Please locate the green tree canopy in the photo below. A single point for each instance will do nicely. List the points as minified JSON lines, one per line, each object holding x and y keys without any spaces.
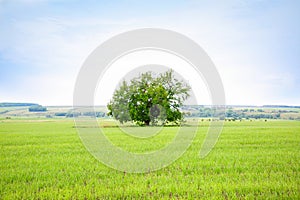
{"x":148,"y":99}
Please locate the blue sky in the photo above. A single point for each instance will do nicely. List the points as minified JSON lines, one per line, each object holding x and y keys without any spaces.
{"x":254,"y":44}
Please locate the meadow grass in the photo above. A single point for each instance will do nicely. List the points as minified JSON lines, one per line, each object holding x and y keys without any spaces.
{"x":46,"y":160}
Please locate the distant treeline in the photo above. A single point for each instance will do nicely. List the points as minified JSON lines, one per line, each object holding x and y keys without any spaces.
{"x":206,"y":112}
{"x":280,"y":106}
{"x":7,"y":104}
{"x":37,"y":108}
{"x":76,"y":114}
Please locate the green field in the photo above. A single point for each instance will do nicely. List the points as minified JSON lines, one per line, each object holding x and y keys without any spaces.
{"x":45,"y":159}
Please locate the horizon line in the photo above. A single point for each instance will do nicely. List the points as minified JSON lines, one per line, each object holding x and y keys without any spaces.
{"x":226,"y":105}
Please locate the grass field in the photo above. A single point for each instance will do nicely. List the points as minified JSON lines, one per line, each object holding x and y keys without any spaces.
{"x":46,"y":160}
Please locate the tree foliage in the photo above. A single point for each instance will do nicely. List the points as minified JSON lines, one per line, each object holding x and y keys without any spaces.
{"x":37,"y":108}
{"x":149,"y":100}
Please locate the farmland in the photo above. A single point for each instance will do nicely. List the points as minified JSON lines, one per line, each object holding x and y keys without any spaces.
{"x":45,"y":159}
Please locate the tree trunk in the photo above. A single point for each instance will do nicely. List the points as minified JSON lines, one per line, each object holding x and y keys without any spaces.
{"x":147,"y":122}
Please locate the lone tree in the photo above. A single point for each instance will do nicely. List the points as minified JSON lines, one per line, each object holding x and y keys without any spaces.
{"x":149,"y":99}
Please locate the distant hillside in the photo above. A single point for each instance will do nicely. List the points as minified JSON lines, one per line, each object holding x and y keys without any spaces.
{"x":280,"y":106}
{"x":233,"y":112}
{"x":9,"y":104}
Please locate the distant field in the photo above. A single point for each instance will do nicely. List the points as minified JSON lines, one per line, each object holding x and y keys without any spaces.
{"x":23,"y":112}
{"x":46,"y":160}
